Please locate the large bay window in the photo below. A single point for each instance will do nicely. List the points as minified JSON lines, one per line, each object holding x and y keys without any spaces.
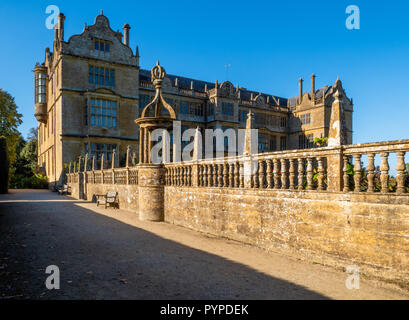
{"x":40,"y":87}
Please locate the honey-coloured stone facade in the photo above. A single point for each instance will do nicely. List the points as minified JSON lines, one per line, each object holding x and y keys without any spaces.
{"x":64,"y":111}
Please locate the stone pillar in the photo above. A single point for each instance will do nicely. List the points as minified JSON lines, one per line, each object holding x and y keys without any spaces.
{"x":151,"y":189}
{"x":335,"y":165}
{"x":336,"y":138}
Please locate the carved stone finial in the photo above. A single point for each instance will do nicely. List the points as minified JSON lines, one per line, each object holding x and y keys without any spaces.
{"x":102,"y":12}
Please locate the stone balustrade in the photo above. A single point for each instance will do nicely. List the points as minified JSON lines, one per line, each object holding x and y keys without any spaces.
{"x":296,"y":170}
{"x":375,"y":178}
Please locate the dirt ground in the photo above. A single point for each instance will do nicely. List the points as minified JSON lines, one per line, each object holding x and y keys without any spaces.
{"x":109,"y":254}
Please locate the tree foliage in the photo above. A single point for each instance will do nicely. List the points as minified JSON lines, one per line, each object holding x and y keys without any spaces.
{"x":10,"y":119}
{"x":4,"y":167}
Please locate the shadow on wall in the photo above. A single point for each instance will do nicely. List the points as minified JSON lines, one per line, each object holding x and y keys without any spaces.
{"x":102,"y":258}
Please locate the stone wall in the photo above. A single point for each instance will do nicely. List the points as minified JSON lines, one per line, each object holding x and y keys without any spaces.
{"x":305,"y":203}
{"x":127,"y":194}
{"x":371,"y":231}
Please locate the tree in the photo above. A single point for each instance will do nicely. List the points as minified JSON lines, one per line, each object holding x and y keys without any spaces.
{"x":10,"y":119}
{"x":4,"y":167}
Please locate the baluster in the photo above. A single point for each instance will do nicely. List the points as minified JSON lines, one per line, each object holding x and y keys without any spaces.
{"x":358,"y":174}
{"x":400,"y":168}
{"x":205,"y":182}
{"x":292,"y":174}
{"x":269,"y":174}
{"x":309,"y":174}
{"x":237,"y":175}
{"x":210,"y":175}
{"x":241,"y":175}
{"x":178,"y":176}
{"x":261,"y":174}
{"x":284,"y":174}
{"x":371,"y":171}
{"x":384,"y":172}
{"x":220,"y":175}
{"x":200,"y":176}
{"x":203,"y":178}
{"x":231,"y":175}
{"x":225,"y":175}
{"x":301,"y":174}
{"x":345,"y":177}
{"x":215,"y":180}
{"x":254,"y":177}
{"x":320,"y":174}
{"x":276,"y":174}
{"x":189,"y":176}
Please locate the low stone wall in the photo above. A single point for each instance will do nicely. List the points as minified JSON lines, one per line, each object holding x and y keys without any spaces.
{"x":128,"y":194}
{"x":369,"y":230}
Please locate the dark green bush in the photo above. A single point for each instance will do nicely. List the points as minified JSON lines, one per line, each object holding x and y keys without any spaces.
{"x":4,"y":166}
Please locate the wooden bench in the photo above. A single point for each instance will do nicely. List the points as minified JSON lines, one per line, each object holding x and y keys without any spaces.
{"x":63,"y":190}
{"x":110,"y":199}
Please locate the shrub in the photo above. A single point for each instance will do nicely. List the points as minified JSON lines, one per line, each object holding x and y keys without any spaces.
{"x":4,"y":166}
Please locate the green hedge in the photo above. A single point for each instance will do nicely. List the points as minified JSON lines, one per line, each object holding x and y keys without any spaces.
{"x":4,"y":166}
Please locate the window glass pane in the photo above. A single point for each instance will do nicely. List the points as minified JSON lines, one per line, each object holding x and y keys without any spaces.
{"x":107,"y":47}
{"x":101,"y":46}
{"x":96,"y":45}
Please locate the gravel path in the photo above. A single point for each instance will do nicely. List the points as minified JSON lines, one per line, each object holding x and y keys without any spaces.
{"x":109,"y":254}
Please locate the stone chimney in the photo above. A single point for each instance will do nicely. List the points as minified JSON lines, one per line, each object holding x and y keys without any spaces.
{"x":126,"y":29}
{"x":61,"y":19}
{"x":313,"y":87}
{"x":300,"y":81}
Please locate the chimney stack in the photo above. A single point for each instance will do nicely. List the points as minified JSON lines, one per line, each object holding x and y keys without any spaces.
{"x":126,"y":29}
{"x":300,"y":81}
{"x":313,"y":87}
{"x":61,"y":19}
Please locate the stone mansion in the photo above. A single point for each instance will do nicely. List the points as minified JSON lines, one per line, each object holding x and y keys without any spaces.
{"x":90,"y":90}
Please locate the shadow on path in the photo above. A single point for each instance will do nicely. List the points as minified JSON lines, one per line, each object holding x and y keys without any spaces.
{"x":102,"y":258}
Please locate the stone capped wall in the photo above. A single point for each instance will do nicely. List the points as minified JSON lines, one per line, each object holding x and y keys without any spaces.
{"x":371,"y":231}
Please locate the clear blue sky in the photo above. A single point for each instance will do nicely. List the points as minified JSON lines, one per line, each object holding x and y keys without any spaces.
{"x":269,"y":45}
